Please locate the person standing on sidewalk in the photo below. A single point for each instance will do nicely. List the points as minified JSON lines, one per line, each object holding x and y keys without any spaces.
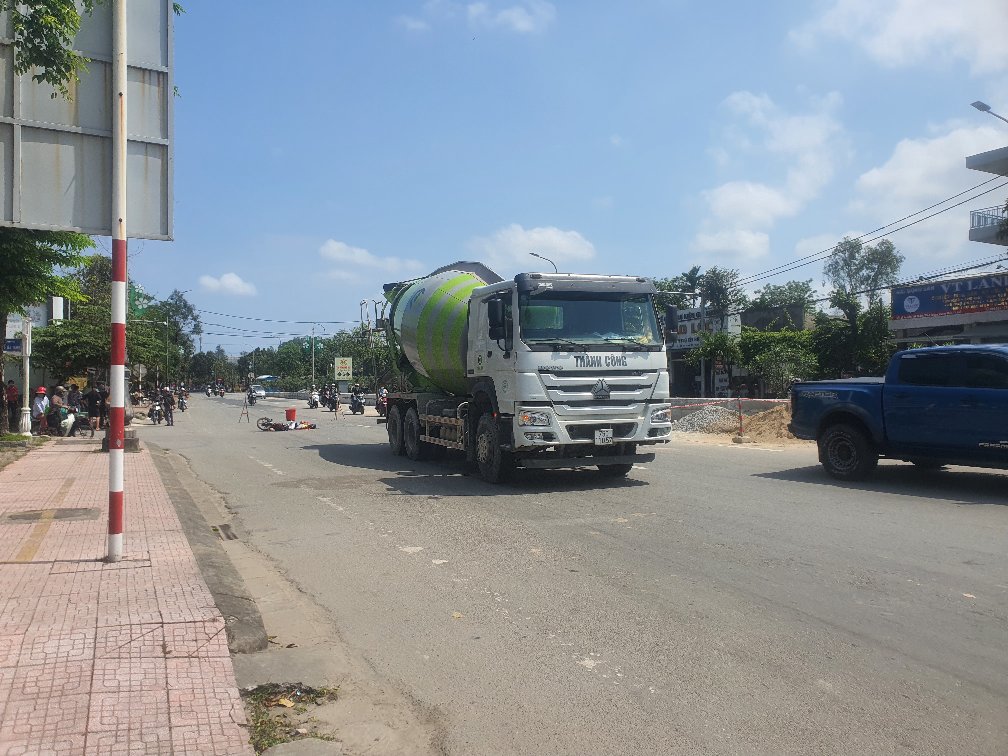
{"x":13,"y":398}
{"x":93,"y":400}
{"x":168,"y":404}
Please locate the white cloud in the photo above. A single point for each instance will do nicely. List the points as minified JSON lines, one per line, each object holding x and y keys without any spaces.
{"x":919,"y":173}
{"x":229,"y":283}
{"x":343,"y":253}
{"x":409,"y":23}
{"x":804,"y":147}
{"x":616,"y":140}
{"x":528,"y":17}
{"x":733,"y":243}
{"x":909,"y":32}
{"x":508,"y":248}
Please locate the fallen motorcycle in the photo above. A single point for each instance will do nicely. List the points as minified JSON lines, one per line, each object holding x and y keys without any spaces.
{"x":268,"y":424}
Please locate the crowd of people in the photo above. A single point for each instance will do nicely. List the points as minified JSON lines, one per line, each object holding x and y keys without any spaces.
{"x":60,"y":410}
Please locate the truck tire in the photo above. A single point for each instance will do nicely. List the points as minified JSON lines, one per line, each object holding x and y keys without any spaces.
{"x":847,"y":453}
{"x":495,"y":464}
{"x":394,"y":426}
{"x":416,"y":449}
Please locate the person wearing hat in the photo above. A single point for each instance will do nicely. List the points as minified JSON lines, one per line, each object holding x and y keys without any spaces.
{"x":40,"y":408}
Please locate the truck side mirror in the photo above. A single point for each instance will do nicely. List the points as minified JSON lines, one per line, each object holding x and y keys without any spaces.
{"x":495,"y":315}
{"x":671,"y":323}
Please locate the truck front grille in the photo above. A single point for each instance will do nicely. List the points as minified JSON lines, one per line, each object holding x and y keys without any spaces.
{"x":586,"y":431}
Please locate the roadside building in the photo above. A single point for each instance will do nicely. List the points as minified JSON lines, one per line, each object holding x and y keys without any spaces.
{"x":965,"y":310}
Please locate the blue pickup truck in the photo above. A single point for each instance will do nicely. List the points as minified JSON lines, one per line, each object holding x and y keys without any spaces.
{"x":935,"y":406}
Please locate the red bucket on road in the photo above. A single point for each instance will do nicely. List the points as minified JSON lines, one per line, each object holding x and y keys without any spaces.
{"x":291,"y":414}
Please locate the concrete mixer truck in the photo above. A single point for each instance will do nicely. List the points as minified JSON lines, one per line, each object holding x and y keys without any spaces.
{"x":547,"y":370}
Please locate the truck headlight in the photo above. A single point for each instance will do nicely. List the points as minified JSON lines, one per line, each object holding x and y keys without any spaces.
{"x":662,"y":415}
{"x":533,"y":418}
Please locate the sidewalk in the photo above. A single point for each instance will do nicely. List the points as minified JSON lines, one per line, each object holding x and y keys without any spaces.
{"x":106,"y":658}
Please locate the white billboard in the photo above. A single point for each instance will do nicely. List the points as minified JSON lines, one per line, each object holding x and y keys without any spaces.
{"x":56,"y":155}
{"x":692,"y":323}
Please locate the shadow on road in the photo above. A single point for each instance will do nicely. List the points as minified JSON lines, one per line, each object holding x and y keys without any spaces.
{"x":428,"y":478}
{"x":957,"y":485}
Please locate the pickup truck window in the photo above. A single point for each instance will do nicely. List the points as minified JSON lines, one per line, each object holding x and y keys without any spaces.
{"x":930,"y":369}
{"x":986,"y":371}
{"x":954,"y":370}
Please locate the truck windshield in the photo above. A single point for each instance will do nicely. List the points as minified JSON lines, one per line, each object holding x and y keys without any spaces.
{"x":588,"y":318}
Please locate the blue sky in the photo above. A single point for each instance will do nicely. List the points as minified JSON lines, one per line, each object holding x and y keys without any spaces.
{"x":324,"y":151}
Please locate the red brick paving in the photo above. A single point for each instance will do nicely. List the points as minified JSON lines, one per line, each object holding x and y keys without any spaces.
{"x":102,"y":658}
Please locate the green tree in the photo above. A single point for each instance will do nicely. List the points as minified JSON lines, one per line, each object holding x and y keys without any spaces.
{"x":790,"y":294}
{"x":781,"y":365}
{"x":717,"y":347}
{"x":680,"y":291}
{"x":30,"y":261}
{"x":67,"y":348}
{"x":854,"y":269}
{"x":44,"y":31}
{"x":721,"y":293}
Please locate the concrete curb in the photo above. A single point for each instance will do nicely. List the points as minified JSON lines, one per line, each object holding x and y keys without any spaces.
{"x":243,"y":622}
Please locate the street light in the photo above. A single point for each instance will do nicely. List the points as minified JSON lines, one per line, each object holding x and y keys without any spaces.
{"x":983,"y":107}
{"x":536,"y":254}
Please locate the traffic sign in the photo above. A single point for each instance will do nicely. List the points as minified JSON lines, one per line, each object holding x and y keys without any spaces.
{"x":344,"y":368}
{"x":12,"y":347}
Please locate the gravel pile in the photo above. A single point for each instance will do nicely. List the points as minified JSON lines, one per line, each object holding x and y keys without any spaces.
{"x":712,"y":419}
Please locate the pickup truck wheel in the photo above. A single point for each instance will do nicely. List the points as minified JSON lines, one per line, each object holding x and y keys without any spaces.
{"x":495,"y":464}
{"x":415,"y":448}
{"x":847,"y":453}
{"x":395,"y":430}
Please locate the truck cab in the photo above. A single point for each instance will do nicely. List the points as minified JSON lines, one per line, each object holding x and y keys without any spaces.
{"x":575,"y":363}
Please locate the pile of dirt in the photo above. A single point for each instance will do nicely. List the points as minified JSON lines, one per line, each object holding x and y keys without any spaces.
{"x":770,"y":424}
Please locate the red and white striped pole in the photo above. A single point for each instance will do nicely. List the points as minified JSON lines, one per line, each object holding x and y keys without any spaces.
{"x":117,"y":367}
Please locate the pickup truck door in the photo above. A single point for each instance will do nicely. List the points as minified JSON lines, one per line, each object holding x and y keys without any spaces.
{"x":984,"y":403}
{"x":921,"y":403}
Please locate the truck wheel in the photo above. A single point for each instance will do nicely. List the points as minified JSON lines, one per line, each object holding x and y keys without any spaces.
{"x":395,"y":430}
{"x":415,"y":448}
{"x":847,"y":453}
{"x":495,"y":464}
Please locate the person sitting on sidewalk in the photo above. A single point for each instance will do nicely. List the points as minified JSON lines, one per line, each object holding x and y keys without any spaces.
{"x":39,"y":409}
{"x":57,"y":408}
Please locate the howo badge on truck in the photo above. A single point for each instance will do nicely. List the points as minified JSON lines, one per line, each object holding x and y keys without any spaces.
{"x":548,"y":370}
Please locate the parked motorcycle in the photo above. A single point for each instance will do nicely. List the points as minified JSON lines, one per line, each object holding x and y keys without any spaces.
{"x":357,"y":403}
{"x":156,"y":413}
{"x":209,"y":391}
{"x":313,"y":400}
{"x":220,"y":391}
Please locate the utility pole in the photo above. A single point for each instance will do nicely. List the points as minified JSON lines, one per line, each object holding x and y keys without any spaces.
{"x":313,"y":354}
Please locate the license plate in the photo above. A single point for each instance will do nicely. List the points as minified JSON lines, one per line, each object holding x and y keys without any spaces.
{"x":603,"y":437}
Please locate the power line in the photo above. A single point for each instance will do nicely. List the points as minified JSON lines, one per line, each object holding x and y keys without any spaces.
{"x":272,"y":320}
{"x":816,"y":256}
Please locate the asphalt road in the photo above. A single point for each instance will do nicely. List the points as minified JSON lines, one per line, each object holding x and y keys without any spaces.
{"x":724,"y":599}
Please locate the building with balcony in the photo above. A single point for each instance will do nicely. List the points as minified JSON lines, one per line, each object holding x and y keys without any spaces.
{"x":985,"y":224}
{"x":969,"y":310}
